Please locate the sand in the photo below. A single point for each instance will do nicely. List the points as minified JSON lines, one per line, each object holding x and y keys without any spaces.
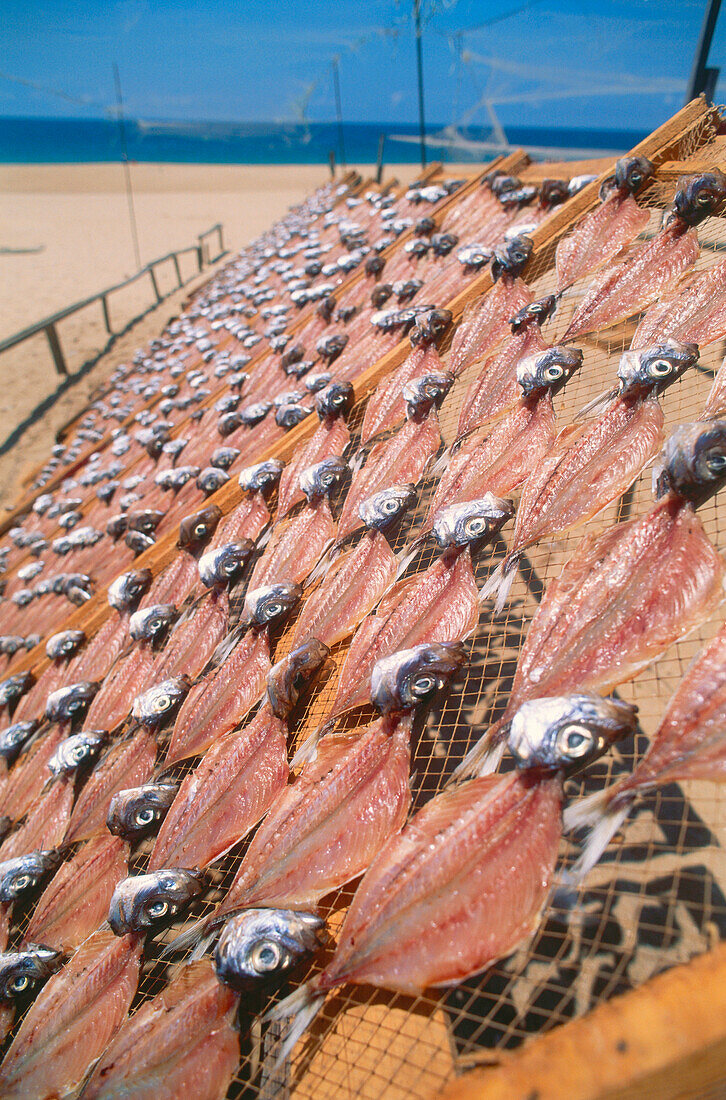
{"x":74,"y":220}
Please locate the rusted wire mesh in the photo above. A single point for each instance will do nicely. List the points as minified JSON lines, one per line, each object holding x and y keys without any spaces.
{"x":656,"y":898}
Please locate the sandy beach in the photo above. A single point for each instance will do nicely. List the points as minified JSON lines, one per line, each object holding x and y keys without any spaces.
{"x":65,"y":235}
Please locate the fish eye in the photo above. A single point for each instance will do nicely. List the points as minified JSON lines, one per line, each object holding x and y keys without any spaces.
{"x":78,"y":752}
{"x":390,"y":505}
{"x":424,"y":684}
{"x":274,"y":608}
{"x":200,"y":530}
{"x":22,"y":882}
{"x":703,"y":199}
{"x":574,"y":741}
{"x":19,"y":984}
{"x":660,"y":367}
{"x":265,"y":956}
{"x":144,"y":817}
{"x":554,"y":372}
{"x":158,"y":909}
{"x":716,"y":462}
{"x":476,"y":525}
{"x":156,"y":624}
{"x":636,"y":177}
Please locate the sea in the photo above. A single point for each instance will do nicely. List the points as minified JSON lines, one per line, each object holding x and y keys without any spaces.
{"x":89,"y":140}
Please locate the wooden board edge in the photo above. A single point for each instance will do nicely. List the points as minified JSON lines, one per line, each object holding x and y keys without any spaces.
{"x":663,"y":1040}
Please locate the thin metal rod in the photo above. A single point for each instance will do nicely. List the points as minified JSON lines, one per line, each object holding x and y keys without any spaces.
{"x":127,"y":170}
{"x":698,"y":81}
{"x":419,"y":66}
{"x":338,"y":112}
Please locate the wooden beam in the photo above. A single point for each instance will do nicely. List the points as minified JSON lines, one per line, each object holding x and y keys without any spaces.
{"x":662,"y":1041}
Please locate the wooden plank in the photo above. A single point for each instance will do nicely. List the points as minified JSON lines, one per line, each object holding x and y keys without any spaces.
{"x":664,"y":1040}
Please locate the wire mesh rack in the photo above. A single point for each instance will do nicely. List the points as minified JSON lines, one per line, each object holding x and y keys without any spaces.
{"x":657,"y":897}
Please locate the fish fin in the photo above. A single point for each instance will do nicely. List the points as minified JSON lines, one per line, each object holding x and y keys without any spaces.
{"x":301,"y":1007}
{"x":598,"y":404}
{"x":325,"y":564}
{"x":405,"y":556}
{"x":308,"y":750}
{"x":604,"y":819}
{"x":190,"y":937}
{"x":482,"y":759}
{"x":441,"y":463}
{"x":226,"y":646}
{"x":264,"y":538}
{"x":358,"y":459}
{"x":500,"y":582}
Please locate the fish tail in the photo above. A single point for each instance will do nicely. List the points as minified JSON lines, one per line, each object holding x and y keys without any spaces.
{"x":500,"y":582}
{"x":300,"y":1009}
{"x":483,"y":758}
{"x":603,"y":813}
{"x":309,"y":748}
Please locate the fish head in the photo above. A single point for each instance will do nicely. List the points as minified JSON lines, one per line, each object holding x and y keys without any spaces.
{"x":697,"y":197}
{"x":380,"y":294}
{"x":320,"y":478}
{"x":548,"y":370}
{"x":69,"y":702}
{"x":473,"y":521}
{"x":566,"y":733}
{"x":374,"y":265}
{"x":13,"y":737}
{"x":512,"y":259}
{"x":223,"y":457}
{"x":552,"y":192}
{"x":429,"y":326}
{"x":534,"y":313}
{"x":501,"y":183}
{"x":411,"y":676}
{"x":426,"y":392}
{"x":78,"y":752}
{"x":289,"y":416}
{"x":156,"y":706}
{"x":326,"y":309}
{"x":149,"y":623}
{"x":145,"y":520}
{"x":194,"y":530}
{"x":271,"y":603}
{"x":474,"y":255}
{"x":260,"y":477}
{"x":142,"y":902}
{"x":330,"y":347}
{"x":292,"y":356}
{"x":137,"y":811}
{"x":22,"y":973}
{"x":443,"y":243}
{"x":220,"y":567}
{"x":318,"y":381}
{"x":335,"y":400}
{"x":260,"y":944}
{"x":631,"y":175}
{"x":693,"y":462}
{"x":253,"y":414}
{"x":10,"y":644}
{"x":299,"y":370}
{"x":128,"y":588}
{"x":655,"y":368}
{"x":211,"y":479}
{"x":64,"y":644}
{"x":288,"y":678}
{"x":13,"y":687}
{"x":228,"y":403}
{"x":23,"y":874}
{"x":383,"y":508}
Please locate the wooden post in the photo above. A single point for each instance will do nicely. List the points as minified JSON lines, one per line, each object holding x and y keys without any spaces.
{"x":154,"y":283}
{"x":55,"y":349}
{"x":106,"y":318}
{"x":379,"y":159}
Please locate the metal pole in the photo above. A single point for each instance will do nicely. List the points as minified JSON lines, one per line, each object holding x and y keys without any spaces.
{"x":127,"y":170}
{"x":379,"y":161}
{"x":338,"y":111}
{"x":419,"y":66}
{"x":701,"y":77}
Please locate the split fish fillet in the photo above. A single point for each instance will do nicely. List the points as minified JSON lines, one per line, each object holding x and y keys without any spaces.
{"x":127,"y":764}
{"x":599,"y":237}
{"x":386,"y":406}
{"x":296,"y":545}
{"x":46,"y":823}
{"x":486,"y":322}
{"x":495,"y":389}
{"x":330,"y":438}
{"x":693,"y":312}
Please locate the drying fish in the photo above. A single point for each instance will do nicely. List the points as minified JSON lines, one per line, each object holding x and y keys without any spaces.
{"x":70,"y":702}
{"x":150,"y":623}
{"x":288,"y":677}
{"x":402,"y":459}
{"x":497,"y":458}
{"x":262,"y":476}
{"x":690,"y":743}
{"x":386,"y":406}
{"x":23,"y":972}
{"x":23,"y":874}
{"x":222,"y":566}
{"x":196,"y":529}
{"x":608,"y":229}
{"x":360,"y":577}
{"x":524,"y":365}
{"x":194,"y":638}
{"x":13,"y":687}
{"x":145,"y":902}
{"x":14,"y":738}
{"x":693,"y":463}
{"x":78,"y":752}
{"x":261,"y":944}
{"x":592,"y":463}
{"x":45,"y":824}
{"x":465,"y":881}
{"x":330,"y":439}
{"x":183,"y":1042}
{"x":137,"y":811}
{"x":648,"y":270}
{"x":486,"y":322}
{"x":620,"y":601}
{"x":130,"y":761}
{"x":155,"y":706}
{"x":27,"y":778}
{"x":694,"y":311}
{"x":296,"y":545}
{"x":320,"y":479}
{"x":111,"y":705}
{"x":76,"y":901}
{"x":716,"y":402}
{"x":64,"y":645}
{"x":212,"y":479}
{"x":72,"y":1021}
{"x":405,"y":679}
{"x":127,"y":589}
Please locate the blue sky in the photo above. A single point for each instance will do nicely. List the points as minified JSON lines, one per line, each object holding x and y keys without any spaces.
{"x":608,"y":64}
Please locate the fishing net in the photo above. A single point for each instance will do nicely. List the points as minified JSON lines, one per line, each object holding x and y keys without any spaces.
{"x":657,"y":896}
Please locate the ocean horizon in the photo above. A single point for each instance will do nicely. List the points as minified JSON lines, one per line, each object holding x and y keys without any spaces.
{"x":35,"y":140}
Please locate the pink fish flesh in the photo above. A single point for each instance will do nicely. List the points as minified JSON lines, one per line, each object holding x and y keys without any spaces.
{"x":599,"y":237}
